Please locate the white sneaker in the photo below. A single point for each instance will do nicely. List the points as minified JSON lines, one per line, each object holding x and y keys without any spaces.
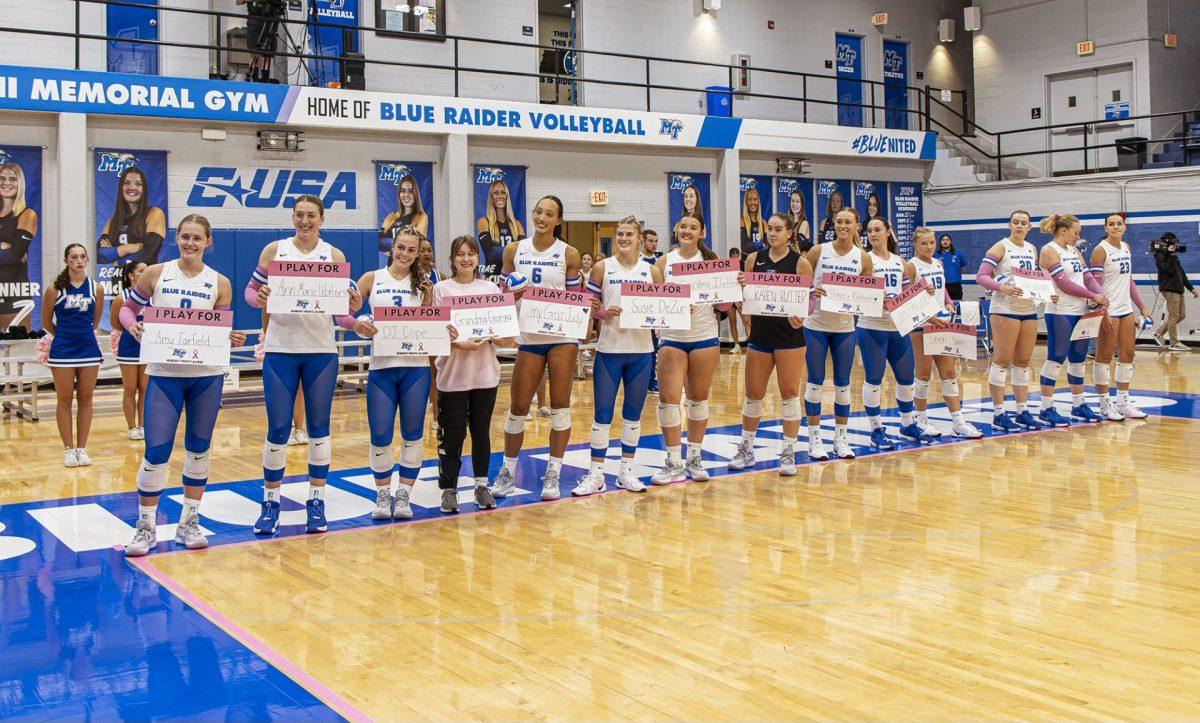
{"x":592,"y":482}
{"x":1131,"y":412}
{"x":136,"y":433}
{"x":626,"y":479}
{"x":401,"y":505}
{"x":189,"y":535}
{"x":82,"y":457}
{"x":966,"y":430}
{"x":543,"y":411}
{"x":1160,"y":340}
{"x":550,"y":489}
{"x":841,"y":447}
{"x":292,"y":438}
{"x":1109,"y":412}
{"x":694,"y":468}
{"x":504,"y":483}
{"x":816,"y":449}
{"x":1179,"y":346}
{"x":929,"y":428}
{"x":301,"y":436}
{"x":672,"y":471}
{"x":787,"y":460}
{"x":744,"y":456}
{"x":70,"y":460}
{"x":383,"y":504}
{"x":145,"y":537}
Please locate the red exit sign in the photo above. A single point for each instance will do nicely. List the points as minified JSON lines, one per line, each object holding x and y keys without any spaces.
{"x":1085,"y":47}
{"x":879,"y":19}
{"x":1171,"y":40}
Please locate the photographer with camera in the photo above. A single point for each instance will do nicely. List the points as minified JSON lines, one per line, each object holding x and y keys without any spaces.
{"x":262,"y":36}
{"x":1172,"y":280}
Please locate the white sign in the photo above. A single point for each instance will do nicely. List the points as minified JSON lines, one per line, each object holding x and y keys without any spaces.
{"x":712,"y":282}
{"x":1035,"y":283}
{"x":852,"y":294}
{"x":411,"y":330}
{"x":655,"y":306}
{"x":1088,"y":326}
{"x":555,"y":312}
{"x":784,"y":295}
{"x":309,"y":287}
{"x":186,"y":336}
{"x":913,"y":307}
{"x":956,"y":340}
{"x":484,"y":316}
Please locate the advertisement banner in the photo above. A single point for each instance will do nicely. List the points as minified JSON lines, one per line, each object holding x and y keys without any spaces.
{"x":907,"y":213}
{"x":849,"y":84}
{"x":756,"y":204}
{"x":832,"y":196}
{"x":326,"y":38}
{"x":895,"y":79}
{"x":687,"y":194}
{"x":403,"y":197}
{"x":20,"y":237}
{"x":794,"y":196}
{"x":870,"y":200}
{"x":500,"y":212}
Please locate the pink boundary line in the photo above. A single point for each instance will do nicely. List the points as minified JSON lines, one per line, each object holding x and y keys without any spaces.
{"x":339,"y":704}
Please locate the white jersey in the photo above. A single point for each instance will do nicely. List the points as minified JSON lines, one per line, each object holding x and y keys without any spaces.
{"x":387,"y":290}
{"x":614,"y":339}
{"x":704,"y":317}
{"x":300,"y":333}
{"x":933,"y":274}
{"x":1117,"y":270}
{"x":1073,"y":268}
{"x":1015,"y":257}
{"x":176,"y":290}
{"x":547,"y":269}
{"x":829,"y":262}
{"x":891,"y":270}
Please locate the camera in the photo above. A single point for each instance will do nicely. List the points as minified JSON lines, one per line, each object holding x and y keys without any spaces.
{"x":268,"y":8}
{"x":1168,"y":243}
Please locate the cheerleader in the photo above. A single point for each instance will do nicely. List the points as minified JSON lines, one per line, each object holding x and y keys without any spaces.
{"x":300,"y":354}
{"x":1112,"y":266}
{"x":831,"y":334}
{"x":687,"y":357}
{"x":930,"y":269}
{"x":176,"y":389}
{"x":71,"y":309}
{"x":623,"y":356}
{"x":128,"y":350}
{"x":547,"y":261}
{"x":1013,"y":321}
{"x":1076,"y":288}
{"x":774,"y":343}
{"x":882,"y":346}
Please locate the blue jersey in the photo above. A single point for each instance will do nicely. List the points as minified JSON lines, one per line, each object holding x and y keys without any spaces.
{"x":74,"y":343}
{"x":129,"y":349}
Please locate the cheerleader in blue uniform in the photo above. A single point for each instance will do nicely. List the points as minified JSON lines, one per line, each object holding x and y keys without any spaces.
{"x":128,"y":351}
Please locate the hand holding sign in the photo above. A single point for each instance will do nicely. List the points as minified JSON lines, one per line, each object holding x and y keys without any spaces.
{"x":1035,"y":284}
{"x":308,"y":287}
{"x":852,"y":294}
{"x":186,"y":336}
{"x":1088,"y":326}
{"x":412,"y":330}
{"x":484,"y":316}
{"x":555,"y":312}
{"x":712,"y":282}
{"x":912,"y":307}
{"x":655,"y":306}
{"x":776,"y":295}
{"x":956,"y":340}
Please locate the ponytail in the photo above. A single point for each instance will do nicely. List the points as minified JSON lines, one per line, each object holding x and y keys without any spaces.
{"x":1053,"y":224}
{"x":64,"y":276}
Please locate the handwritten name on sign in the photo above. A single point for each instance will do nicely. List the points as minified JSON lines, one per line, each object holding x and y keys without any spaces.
{"x":411,"y":330}
{"x":655,"y":306}
{"x":712,"y":282}
{"x":555,"y":312}
{"x":186,"y":336}
{"x":776,"y":294}
{"x":308,"y":287}
{"x":912,"y":307}
{"x":1088,"y":326}
{"x":956,"y":340}
{"x":852,"y":294}
{"x":1036,"y":283}
{"x":484,"y":316}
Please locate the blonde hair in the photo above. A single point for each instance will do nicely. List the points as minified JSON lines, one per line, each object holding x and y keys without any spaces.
{"x":921,"y":231}
{"x":1057,"y":222}
{"x":18,"y":202}
{"x":747,"y":220}
{"x":493,"y":220}
{"x":632,"y":221}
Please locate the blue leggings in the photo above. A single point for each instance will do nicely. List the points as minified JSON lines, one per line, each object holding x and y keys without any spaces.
{"x":169,"y":397}
{"x":399,"y":388}
{"x":819,"y":344}
{"x":284,"y":374}
{"x":1060,"y":348}
{"x":609,"y":371}
{"x":881,"y":349}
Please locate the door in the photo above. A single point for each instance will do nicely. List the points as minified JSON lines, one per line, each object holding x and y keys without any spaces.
{"x":605,"y":233}
{"x":895,"y":89}
{"x":131,"y":24}
{"x":849,"y":64}
{"x":1082,"y":96}
{"x":1114,"y":88}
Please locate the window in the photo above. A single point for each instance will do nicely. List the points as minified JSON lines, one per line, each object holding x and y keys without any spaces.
{"x":425,"y":18}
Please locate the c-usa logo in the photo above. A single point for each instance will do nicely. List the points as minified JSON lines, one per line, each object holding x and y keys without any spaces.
{"x":114,"y":162}
{"x":680,"y":183}
{"x":271,"y":188}
{"x":671,"y":127}
{"x":393,"y":172}
{"x":489,"y":174}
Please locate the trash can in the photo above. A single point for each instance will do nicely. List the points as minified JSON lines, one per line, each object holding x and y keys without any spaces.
{"x":1131,"y":153}
{"x":718,"y":101}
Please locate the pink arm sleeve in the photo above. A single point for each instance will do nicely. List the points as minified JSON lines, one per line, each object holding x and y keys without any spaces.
{"x":986,"y":275}
{"x":346,"y":321}
{"x":1133,"y":294}
{"x":257,"y":281}
{"x":1092,"y":283}
{"x":1070,"y":287}
{"x":128,"y":313}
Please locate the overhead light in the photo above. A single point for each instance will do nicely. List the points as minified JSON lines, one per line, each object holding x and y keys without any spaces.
{"x":710,"y":5}
{"x":946,"y":30}
{"x":791,"y":166}
{"x":281,"y":141}
{"x":972,"y":17}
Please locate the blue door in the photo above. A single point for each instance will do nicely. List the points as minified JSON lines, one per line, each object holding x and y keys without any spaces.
{"x":130,"y":24}
{"x":849,"y":85}
{"x":895,"y":79}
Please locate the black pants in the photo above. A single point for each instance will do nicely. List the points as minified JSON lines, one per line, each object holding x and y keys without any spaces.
{"x":955,"y":291}
{"x":456,"y":412}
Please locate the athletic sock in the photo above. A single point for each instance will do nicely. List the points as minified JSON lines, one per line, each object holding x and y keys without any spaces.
{"x":190,"y":507}
{"x":874,"y":420}
{"x":597,"y":465}
{"x":1077,"y":400}
{"x":673,"y":453}
{"x":839,"y":430}
{"x":693,"y":449}
{"x":481,"y":481}
{"x":147,"y":512}
{"x":1047,"y":401}
{"x":1122,"y":397}
{"x":510,"y":464}
{"x":1021,"y":406}
{"x":315,"y":492}
{"x":554,"y":465}
{"x":270,"y":494}
{"x":957,"y":416}
{"x":906,"y":418}
{"x":627,"y":464}
{"x":748,"y":435}
{"x":922,"y":417}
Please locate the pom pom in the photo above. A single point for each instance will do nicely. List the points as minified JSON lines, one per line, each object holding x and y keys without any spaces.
{"x":114,"y":339}
{"x":260,"y":352}
{"x":42,"y":350}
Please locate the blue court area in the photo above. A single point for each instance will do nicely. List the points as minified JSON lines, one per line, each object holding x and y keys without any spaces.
{"x":85,"y":635}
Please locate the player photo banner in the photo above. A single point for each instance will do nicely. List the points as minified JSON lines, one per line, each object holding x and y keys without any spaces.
{"x":499,"y":212}
{"x":131,"y":214}
{"x":870,"y":200}
{"x":20,"y":237}
{"x":687,"y":195}
{"x":403,"y":197}
{"x":756,"y":202}
{"x":906,"y":214}
{"x":832,"y":196}
{"x":794,"y":196}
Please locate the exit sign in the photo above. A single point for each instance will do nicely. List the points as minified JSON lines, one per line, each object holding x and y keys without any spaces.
{"x":879,"y":19}
{"x":1171,"y":40}
{"x":1085,"y":47}
{"x":599,"y":198}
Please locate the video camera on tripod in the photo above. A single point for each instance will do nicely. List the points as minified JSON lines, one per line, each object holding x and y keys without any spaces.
{"x":1168,"y":243}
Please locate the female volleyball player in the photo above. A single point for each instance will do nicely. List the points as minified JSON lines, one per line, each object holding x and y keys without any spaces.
{"x":882,"y":346}
{"x":691,"y":203}
{"x":686,"y":358}
{"x":409,"y":212}
{"x":136,"y":229}
{"x":498,"y":227}
{"x":775,"y":343}
{"x":175,"y":389}
{"x":71,"y":309}
{"x":752,"y":224}
{"x":467,"y":382}
{"x":831,"y":334}
{"x":300,"y":353}
{"x":797,"y":213}
{"x":930,"y":269}
{"x":1013,"y":321}
{"x":18,"y":226}
{"x":547,"y":261}
{"x":128,"y":351}
{"x":833,"y":207}
{"x":623,"y":356}
{"x":1112,"y":266}
{"x":1076,"y":288}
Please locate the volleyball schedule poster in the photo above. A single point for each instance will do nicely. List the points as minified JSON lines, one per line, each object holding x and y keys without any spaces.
{"x":687,"y":195}
{"x":794,"y":196}
{"x":832,"y":196}
{"x":20,"y":237}
{"x":907,"y":213}
{"x":755,"y":203}
{"x":403,"y":197}
{"x":500,"y":211}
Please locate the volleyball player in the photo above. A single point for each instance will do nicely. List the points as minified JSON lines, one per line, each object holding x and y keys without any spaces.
{"x":409,"y":212}
{"x":544,"y":260}
{"x":1013,"y":321}
{"x":1112,"y":266}
{"x":833,"y":206}
{"x":651,"y":254}
{"x":1076,"y":288}
{"x":498,"y":227}
{"x":774,"y":343}
{"x":623,"y":356}
{"x":135,"y":231}
{"x":797,"y":213}
{"x":930,"y":269}
{"x":128,"y":351}
{"x":175,"y":389}
{"x":883,"y":346}
{"x":18,"y":226}
{"x":300,"y":353}
{"x":751,"y":225}
{"x":831,"y":334}
{"x":71,"y":309}
{"x":686,"y":358}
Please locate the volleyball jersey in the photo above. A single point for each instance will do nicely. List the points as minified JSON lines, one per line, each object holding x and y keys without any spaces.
{"x":891,"y":270}
{"x":933,"y":274}
{"x":300,"y":333}
{"x":704,"y":317}
{"x":175,"y":290}
{"x":1117,"y":270}
{"x":1073,"y":269}
{"x":547,"y":269}
{"x":1015,"y":257}
{"x":829,"y":262}
{"x":614,"y":339}
{"x":774,"y":331}
{"x":74,"y":343}
{"x":387,"y":290}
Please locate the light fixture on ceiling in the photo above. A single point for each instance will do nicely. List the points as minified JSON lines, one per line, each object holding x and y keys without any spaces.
{"x":281,"y":141}
{"x":972,"y":17}
{"x":710,"y":5}
{"x":791,"y":166}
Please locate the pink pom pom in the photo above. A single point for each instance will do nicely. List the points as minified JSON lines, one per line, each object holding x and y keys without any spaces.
{"x":260,"y":352}
{"x":42,"y":350}
{"x":114,"y":339}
